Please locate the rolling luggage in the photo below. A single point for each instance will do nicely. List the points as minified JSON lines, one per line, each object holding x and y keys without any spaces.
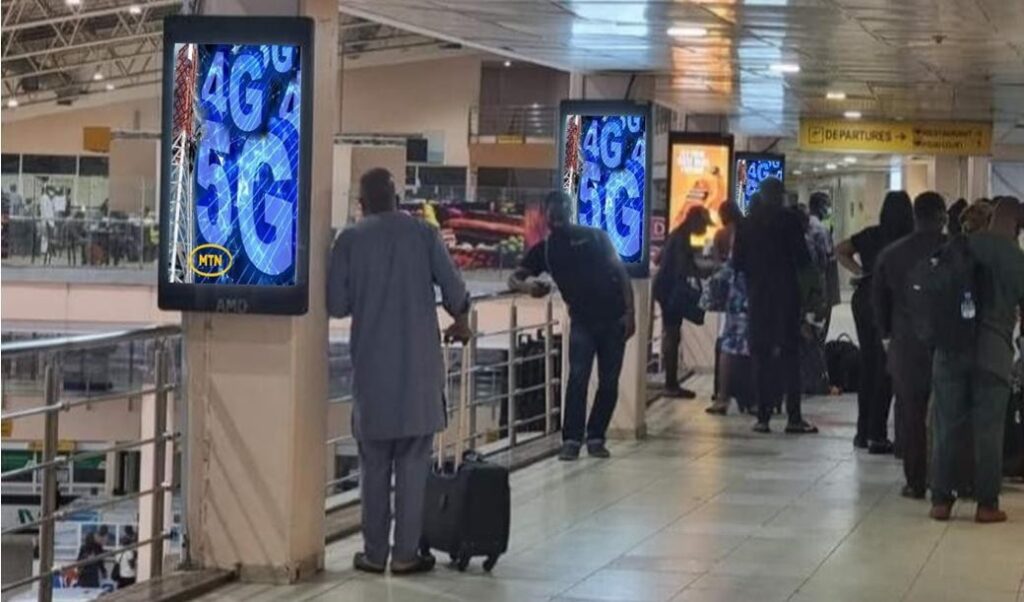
{"x":1013,"y":439}
{"x":842,"y":357}
{"x":467,"y":506}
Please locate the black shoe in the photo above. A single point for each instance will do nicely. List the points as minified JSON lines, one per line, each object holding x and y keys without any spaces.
{"x":801,"y":428}
{"x":361,"y":563}
{"x":679,"y":393}
{"x":424,"y":563}
{"x":717,"y":409}
{"x":880,"y":448}
{"x":762,"y":427}
{"x":860,"y":442}
{"x":570,"y":451}
{"x":597,"y":449}
{"x":913,"y":492}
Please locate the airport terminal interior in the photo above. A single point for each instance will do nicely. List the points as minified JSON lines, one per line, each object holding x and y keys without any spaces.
{"x":191,"y":400}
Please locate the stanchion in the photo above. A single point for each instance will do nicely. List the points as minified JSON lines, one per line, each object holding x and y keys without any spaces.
{"x":549,"y":372}
{"x":513,"y":332}
{"x":51,"y":425}
{"x":159,"y":458}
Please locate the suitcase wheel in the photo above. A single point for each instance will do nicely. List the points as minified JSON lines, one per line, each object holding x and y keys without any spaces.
{"x":462,"y":562}
{"x":490,"y":562}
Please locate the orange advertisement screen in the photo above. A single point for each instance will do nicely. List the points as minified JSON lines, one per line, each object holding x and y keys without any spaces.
{"x":700,"y":174}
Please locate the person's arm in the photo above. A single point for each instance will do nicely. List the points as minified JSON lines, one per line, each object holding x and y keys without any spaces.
{"x":339,"y":303}
{"x":523,"y":279}
{"x":454,"y":296}
{"x":845,"y":253}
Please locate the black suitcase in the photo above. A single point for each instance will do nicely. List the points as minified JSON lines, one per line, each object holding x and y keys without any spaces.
{"x":467,"y":507}
{"x":467,"y":512}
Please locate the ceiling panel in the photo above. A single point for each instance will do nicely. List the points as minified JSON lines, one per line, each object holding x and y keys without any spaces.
{"x":933,"y":59}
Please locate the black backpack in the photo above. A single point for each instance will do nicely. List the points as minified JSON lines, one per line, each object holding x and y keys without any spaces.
{"x":942,"y":295}
{"x":842,"y":357}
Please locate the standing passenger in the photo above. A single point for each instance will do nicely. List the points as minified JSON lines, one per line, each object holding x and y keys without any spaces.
{"x":973,"y":388}
{"x":382,"y":273}
{"x":769,"y":251}
{"x":909,"y":359}
{"x":678,"y":265}
{"x":875,"y":391}
{"x":596,"y":288}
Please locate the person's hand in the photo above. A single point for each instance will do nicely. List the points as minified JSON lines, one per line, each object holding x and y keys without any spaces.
{"x":539,"y":288}
{"x":459,"y":331}
{"x":629,"y":325}
{"x":885,"y":344}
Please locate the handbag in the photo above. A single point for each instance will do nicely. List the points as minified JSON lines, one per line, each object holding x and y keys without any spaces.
{"x":685,"y":301}
{"x":715,"y":296}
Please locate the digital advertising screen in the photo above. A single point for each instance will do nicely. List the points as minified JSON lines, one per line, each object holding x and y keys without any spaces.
{"x":605,"y":167}
{"x":699,"y":175}
{"x":234,"y":214}
{"x":751,"y":170}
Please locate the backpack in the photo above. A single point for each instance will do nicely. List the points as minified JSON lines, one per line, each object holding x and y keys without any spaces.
{"x":842,"y":357}
{"x":942,"y":295}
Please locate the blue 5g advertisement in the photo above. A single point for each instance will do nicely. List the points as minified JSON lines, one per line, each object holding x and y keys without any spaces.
{"x":606,"y":169}
{"x":751,"y":170}
{"x":236,"y":165}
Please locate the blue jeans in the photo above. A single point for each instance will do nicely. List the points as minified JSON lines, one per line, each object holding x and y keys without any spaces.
{"x":608,"y":343}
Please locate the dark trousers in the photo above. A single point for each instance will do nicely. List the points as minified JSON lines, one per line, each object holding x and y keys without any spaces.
{"x":608,"y":343}
{"x":875,"y":392}
{"x":977,"y":399}
{"x":408,"y":459}
{"x":777,"y":375}
{"x":671,"y":338}
{"x":912,"y":427}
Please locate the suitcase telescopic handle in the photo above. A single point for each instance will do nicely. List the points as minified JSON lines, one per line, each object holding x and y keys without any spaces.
{"x":461,"y":417}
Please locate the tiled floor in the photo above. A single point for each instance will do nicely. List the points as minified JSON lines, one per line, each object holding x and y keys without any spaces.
{"x":705,"y":510}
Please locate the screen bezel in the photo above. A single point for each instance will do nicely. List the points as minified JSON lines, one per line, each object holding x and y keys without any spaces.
{"x":749,"y":155}
{"x":696,"y":139}
{"x":236,"y":298}
{"x":611,"y":108}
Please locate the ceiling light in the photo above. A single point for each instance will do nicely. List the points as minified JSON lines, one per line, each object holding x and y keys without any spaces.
{"x":784,"y":68}
{"x":797,"y":172}
{"x":110,"y":87}
{"x":852,"y":114}
{"x":73,"y":3}
{"x":815,"y":170}
{"x":849,"y":159}
{"x":507,"y":63}
{"x":835,"y":95}
{"x":135,"y":9}
{"x":687,"y":32}
{"x":12,"y":103}
{"x":98,"y":76}
{"x":831,"y":166}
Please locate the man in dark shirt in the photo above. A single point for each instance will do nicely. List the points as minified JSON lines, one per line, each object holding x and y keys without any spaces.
{"x":769,"y":251}
{"x":597,"y":290}
{"x":909,"y":359}
{"x":974,"y":387}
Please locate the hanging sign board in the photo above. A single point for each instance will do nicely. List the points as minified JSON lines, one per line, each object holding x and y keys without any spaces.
{"x":897,"y":137}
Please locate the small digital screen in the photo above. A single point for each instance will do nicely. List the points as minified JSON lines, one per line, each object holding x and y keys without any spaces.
{"x":235,"y":165}
{"x":699,"y":177}
{"x":605,"y":173}
{"x":751,"y":170}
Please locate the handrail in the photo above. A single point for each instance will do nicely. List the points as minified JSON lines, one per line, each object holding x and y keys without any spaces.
{"x":85,"y":341}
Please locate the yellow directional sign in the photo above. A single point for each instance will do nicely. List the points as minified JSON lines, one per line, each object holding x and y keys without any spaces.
{"x":897,"y":137}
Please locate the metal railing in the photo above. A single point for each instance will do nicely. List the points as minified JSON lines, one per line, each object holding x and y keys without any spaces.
{"x":518,"y":121}
{"x":158,"y":385}
{"x":499,"y":415}
{"x":98,"y":242}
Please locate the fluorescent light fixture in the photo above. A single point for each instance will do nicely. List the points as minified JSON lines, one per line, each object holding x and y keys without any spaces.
{"x":852,"y":115}
{"x":815,"y":170}
{"x":849,"y":159}
{"x":831,"y":166}
{"x":73,"y":3}
{"x":835,"y":95}
{"x":98,"y":76}
{"x":110,"y":87}
{"x":798,"y":172}
{"x":12,"y":103}
{"x":687,"y":31}
{"x":507,"y":63}
{"x":135,"y":9}
{"x":784,"y":68}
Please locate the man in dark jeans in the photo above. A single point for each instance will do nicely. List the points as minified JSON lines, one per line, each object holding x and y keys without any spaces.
{"x":597,"y":290}
{"x":908,"y":358}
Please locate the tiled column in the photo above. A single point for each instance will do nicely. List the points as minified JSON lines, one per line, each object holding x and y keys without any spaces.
{"x":257,"y":385}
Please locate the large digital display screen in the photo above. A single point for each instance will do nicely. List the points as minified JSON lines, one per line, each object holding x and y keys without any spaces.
{"x":751,"y":170}
{"x":605,"y":167}
{"x":236,"y":201}
{"x":699,"y":175}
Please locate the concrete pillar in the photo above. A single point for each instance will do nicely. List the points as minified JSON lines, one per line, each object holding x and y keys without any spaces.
{"x":146,"y":482}
{"x":111,"y":471}
{"x":257,"y":385}
{"x":630,"y":418}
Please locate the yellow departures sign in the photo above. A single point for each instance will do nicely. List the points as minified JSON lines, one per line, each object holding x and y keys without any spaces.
{"x":898,"y":137}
